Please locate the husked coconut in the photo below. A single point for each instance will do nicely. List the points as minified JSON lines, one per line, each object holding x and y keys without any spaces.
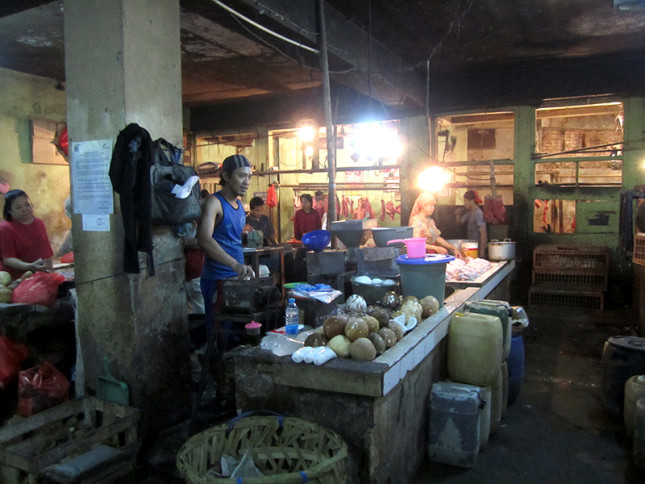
{"x":315,"y":339}
{"x":382,"y":315}
{"x":5,"y":295}
{"x":356,"y":328}
{"x":340,"y":345}
{"x":372,"y":323}
{"x":334,"y":325}
{"x":388,"y":336}
{"x":391,"y":300}
{"x":5,"y":278}
{"x":362,"y":349}
{"x":430,"y":305}
{"x":397,"y":329}
{"x":378,"y":342}
{"x":356,"y":304}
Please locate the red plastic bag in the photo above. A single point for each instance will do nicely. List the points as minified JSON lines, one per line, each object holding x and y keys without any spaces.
{"x":67,"y":258}
{"x":40,"y":388}
{"x":12,"y":355}
{"x":272,"y":197}
{"x":40,"y":288}
{"x":63,"y":142}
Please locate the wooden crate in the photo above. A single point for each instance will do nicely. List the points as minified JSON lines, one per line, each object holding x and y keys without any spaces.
{"x":571,"y":258}
{"x":73,"y":428}
{"x":565,"y":298}
{"x":575,"y":280}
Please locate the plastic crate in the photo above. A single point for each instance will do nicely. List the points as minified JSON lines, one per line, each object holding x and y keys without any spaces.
{"x":576,"y":280}
{"x":589,"y":300}
{"x":638,"y":256}
{"x":571,"y":258}
{"x":29,"y":447}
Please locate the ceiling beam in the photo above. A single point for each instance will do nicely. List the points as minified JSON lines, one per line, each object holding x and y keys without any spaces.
{"x":9,"y":7}
{"x":376,"y":71}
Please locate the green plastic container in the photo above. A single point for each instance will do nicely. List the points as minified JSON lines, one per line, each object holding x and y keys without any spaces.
{"x":474,"y":349}
{"x":424,"y":276}
{"x":501,"y":309}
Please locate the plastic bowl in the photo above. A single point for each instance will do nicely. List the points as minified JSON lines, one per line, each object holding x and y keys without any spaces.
{"x":382,"y":235}
{"x":316,"y":240}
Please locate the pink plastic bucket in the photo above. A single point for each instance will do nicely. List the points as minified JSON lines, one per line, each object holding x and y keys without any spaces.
{"x":416,"y":246}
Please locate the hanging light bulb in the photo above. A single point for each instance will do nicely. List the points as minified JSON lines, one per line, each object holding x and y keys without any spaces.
{"x":374,"y":141}
{"x":433,"y":179}
{"x":306,"y":133}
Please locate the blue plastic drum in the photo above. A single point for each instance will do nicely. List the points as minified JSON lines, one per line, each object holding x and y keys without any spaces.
{"x":515,"y":362}
{"x":622,"y":358}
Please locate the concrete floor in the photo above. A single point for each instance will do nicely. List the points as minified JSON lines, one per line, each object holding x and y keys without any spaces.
{"x":556,"y":431}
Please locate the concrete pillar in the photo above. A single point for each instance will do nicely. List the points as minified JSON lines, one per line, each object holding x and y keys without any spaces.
{"x":123,"y":65}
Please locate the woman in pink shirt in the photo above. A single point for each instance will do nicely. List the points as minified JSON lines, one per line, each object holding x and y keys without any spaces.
{"x":24,"y":244}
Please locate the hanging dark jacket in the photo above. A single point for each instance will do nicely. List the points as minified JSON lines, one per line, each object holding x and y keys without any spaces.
{"x":132,"y":158}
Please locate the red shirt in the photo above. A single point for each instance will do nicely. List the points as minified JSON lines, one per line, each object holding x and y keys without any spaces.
{"x":27,"y":242}
{"x":306,"y":222}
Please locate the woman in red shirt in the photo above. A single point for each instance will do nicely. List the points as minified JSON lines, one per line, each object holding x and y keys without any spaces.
{"x":306,"y":219}
{"x":24,"y":244}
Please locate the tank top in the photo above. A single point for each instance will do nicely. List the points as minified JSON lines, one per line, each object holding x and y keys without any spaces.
{"x":228,"y":234}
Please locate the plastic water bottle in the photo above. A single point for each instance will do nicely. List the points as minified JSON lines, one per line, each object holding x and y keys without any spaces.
{"x":291,"y":317}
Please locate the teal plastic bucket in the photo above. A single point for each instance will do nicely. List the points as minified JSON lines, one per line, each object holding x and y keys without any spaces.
{"x":426,"y":276}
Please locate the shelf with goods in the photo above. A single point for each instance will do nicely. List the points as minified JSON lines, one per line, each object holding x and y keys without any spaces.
{"x":569,"y":276}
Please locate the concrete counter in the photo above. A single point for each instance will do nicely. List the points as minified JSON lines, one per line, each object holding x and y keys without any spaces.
{"x":378,"y":407}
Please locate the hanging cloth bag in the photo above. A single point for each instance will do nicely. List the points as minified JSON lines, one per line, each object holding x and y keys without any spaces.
{"x":175,"y":187}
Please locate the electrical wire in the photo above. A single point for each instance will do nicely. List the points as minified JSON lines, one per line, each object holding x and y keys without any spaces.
{"x":265,"y":29}
{"x":277,"y":49}
{"x":435,"y":49}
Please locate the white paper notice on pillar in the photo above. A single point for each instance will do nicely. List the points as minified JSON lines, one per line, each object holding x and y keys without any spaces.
{"x":92,"y":194}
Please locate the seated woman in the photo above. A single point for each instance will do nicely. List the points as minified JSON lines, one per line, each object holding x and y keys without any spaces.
{"x":425,"y":227}
{"x":24,"y":244}
{"x":307,"y":218}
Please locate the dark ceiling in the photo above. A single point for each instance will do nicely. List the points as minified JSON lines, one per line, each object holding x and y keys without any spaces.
{"x":461,"y":52}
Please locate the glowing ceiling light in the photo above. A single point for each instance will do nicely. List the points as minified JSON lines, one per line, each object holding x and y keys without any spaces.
{"x":306,"y":133}
{"x":373,"y":141}
{"x":433,"y":179}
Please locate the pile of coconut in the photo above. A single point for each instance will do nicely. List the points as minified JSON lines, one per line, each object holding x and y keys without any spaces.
{"x":363,"y":332}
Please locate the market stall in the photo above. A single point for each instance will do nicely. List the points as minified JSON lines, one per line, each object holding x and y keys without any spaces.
{"x":45,"y":331}
{"x":379,"y":407}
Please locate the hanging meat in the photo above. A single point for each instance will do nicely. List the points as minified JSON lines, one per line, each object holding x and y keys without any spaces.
{"x":368,"y":207}
{"x":363,"y":209}
{"x":351,"y":208}
{"x":390,"y":209}
{"x":494,"y":210}
{"x":382,"y":217}
{"x":344,"y":211}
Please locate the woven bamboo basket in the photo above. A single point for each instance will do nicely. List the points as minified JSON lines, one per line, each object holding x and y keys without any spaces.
{"x":285,"y":449}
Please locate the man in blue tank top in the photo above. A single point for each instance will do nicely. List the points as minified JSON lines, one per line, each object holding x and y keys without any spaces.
{"x":220,"y":237}
{"x":220,"y":231}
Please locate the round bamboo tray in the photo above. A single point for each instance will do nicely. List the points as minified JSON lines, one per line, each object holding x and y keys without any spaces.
{"x":285,"y":449}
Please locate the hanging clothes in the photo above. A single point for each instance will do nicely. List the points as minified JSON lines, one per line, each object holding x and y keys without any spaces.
{"x":132,"y":158}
